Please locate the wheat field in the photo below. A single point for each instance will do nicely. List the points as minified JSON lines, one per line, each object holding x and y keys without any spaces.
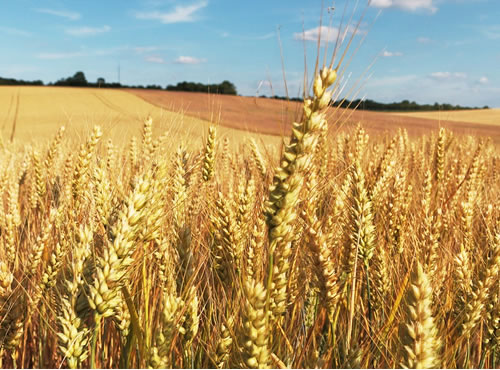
{"x":332,"y":249}
{"x":31,"y":114}
{"x":479,"y":116}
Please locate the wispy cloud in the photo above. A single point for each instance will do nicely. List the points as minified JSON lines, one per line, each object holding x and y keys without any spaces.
{"x":424,"y":40}
{"x":181,"y":13}
{"x":328,"y":34}
{"x":388,"y":54}
{"x":87,"y":31}
{"x":155,"y":59}
{"x":448,"y":75}
{"x":81,"y":53}
{"x":408,"y":5}
{"x":73,"y":16}
{"x":145,"y":49}
{"x":189,"y":60}
{"x":15,"y":31}
{"x":484,"y":80}
{"x":492,"y":32}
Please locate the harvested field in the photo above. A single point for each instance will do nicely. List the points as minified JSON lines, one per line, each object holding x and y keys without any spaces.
{"x":273,"y":116}
{"x":254,"y":114}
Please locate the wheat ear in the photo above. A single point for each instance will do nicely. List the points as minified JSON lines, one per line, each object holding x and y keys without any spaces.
{"x":255,"y":331}
{"x":420,"y":336}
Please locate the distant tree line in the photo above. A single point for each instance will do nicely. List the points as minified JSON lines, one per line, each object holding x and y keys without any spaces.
{"x":12,"y":81}
{"x":226,"y":87}
{"x":402,"y":106}
{"x":282,"y":98}
{"x":79,"y":80}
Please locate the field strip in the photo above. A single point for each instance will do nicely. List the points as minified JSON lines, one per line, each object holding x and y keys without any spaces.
{"x":109,"y":102}
{"x":184,"y":110}
{"x":119,"y":113}
{"x":477,"y":116}
{"x":191,"y":109}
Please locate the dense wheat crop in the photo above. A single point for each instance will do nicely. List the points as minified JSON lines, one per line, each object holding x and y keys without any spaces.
{"x":332,"y":249}
{"x":338,"y":251}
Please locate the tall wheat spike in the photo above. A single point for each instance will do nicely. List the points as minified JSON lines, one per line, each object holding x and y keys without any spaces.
{"x":420,"y":338}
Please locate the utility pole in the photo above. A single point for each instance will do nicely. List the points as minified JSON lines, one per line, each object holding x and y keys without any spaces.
{"x":119,"y":73}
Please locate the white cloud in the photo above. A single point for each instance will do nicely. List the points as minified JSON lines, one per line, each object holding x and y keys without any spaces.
{"x":448,"y":75}
{"x":492,"y":32}
{"x":181,"y":13}
{"x":388,"y":54}
{"x":189,"y":60}
{"x":155,"y":59}
{"x":381,"y":3}
{"x":73,"y":16}
{"x":328,"y":34}
{"x":424,"y":40}
{"x":484,"y":80}
{"x":145,"y":49}
{"x":408,"y":5}
{"x":87,"y":31}
{"x":14,"y":31}
{"x":441,"y":75}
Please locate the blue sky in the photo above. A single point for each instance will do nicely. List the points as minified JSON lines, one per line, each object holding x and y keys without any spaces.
{"x":428,"y":50}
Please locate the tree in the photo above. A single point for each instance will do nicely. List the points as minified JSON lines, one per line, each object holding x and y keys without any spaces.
{"x":227,"y":87}
{"x":101,"y":82}
{"x":78,"y":79}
